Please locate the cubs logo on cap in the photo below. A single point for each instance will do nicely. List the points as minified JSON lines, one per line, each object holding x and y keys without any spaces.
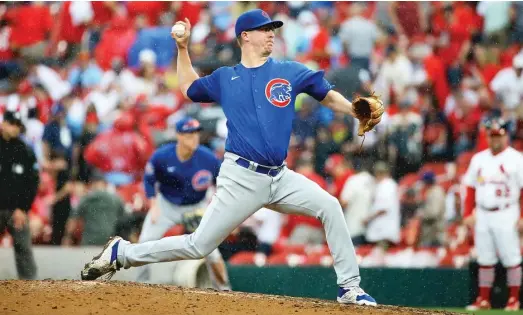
{"x":188,"y":125}
{"x":278,"y":92}
{"x":201,"y":180}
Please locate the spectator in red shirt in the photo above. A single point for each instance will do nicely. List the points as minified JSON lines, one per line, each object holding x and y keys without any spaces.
{"x":340,"y":169}
{"x":464,"y":120}
{"x":31,"y":28}
{"x":319,"y":52}
{"x":435,"y":69}
{"x":453,"y":26}
{"x":121,"y":153}
{"x":188,"y":9}
{"x":75,"y":19}
{"x":487,"y":62}
{"x":115,"y":41}
{"x":151,"y":10}
{"x":408,"y":18}
{"x":65,"y":29}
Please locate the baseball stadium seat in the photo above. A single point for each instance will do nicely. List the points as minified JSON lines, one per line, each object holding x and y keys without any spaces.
{"x":174,"y":231}
{"x":457,"y":257}
{"x":464,"y":158}
{"x":242,"y":258}
{"x":286,"y":259}
{"x":322,"y":249}
{"x":364,"y":250}
{"x":447,"y":260}
{"x":394,"y":249}
{"x":409,"y":180}
{"x":318,"y":259}
{"x":289,"y":249}
{"x":277,"y":259}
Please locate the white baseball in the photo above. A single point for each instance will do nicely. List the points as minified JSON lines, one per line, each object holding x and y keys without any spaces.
{"x":178,"y":30}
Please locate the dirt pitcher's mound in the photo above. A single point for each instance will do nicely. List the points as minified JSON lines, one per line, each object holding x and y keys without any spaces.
{"x":107,"y":298}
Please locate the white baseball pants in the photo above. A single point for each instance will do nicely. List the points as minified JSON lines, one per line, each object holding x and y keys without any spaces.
{"x":496,"y":235}
{"x":240,"y":193}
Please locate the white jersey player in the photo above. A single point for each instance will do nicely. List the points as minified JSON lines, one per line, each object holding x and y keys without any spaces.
{"x":383,"y":221}
{"x":492,"y":203}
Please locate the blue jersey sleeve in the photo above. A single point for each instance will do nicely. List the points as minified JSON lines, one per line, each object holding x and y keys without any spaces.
{"x":149,"y":179}
{"x":312,"y":82}
{"x":206,"y":89}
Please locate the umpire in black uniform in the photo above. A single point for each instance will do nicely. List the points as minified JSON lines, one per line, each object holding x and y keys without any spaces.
{"x":19,"y":183}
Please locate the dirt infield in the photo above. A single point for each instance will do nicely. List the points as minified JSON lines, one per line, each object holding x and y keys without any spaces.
{"x":78,"y":298}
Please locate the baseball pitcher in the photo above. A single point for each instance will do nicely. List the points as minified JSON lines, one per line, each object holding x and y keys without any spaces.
{"x":492,"y":204}
{"x":257,"y":96}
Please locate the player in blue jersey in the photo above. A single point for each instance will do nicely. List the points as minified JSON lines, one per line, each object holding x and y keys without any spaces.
{"x":176,"y":181}
{"x":257,"y":96}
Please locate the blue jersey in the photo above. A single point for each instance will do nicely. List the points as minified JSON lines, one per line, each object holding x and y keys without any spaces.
{"x":259,"y":105}
{"x":181,"y":183}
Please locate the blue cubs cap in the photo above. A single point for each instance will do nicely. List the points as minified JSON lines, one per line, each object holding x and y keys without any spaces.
{"x":254,"y":19}
{"x":188,"y":125}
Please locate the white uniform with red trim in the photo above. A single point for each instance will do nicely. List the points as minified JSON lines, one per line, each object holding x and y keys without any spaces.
{"x":497,"y":180}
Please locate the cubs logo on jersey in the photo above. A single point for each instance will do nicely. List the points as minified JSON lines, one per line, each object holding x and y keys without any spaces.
{"x":278,"y":92}
{"x":201,"y":180}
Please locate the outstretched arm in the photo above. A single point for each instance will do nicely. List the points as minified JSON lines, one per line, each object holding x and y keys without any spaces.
{"x":185,"y":71}
{"x":338,"y":103}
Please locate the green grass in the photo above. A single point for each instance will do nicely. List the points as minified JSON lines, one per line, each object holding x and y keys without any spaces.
{"x":490,"y":312}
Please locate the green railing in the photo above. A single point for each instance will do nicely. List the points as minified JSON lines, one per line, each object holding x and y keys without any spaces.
{"x":407,"y":287}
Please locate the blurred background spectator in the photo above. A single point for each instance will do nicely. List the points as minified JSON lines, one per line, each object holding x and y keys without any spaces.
{"x":356,"y":199}
{"x":383,"y":219}
{"x":97,"y":212}
{"x":432,"y":212}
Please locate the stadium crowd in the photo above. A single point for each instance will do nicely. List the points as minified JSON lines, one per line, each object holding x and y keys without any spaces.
{"x":95,"y":83}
